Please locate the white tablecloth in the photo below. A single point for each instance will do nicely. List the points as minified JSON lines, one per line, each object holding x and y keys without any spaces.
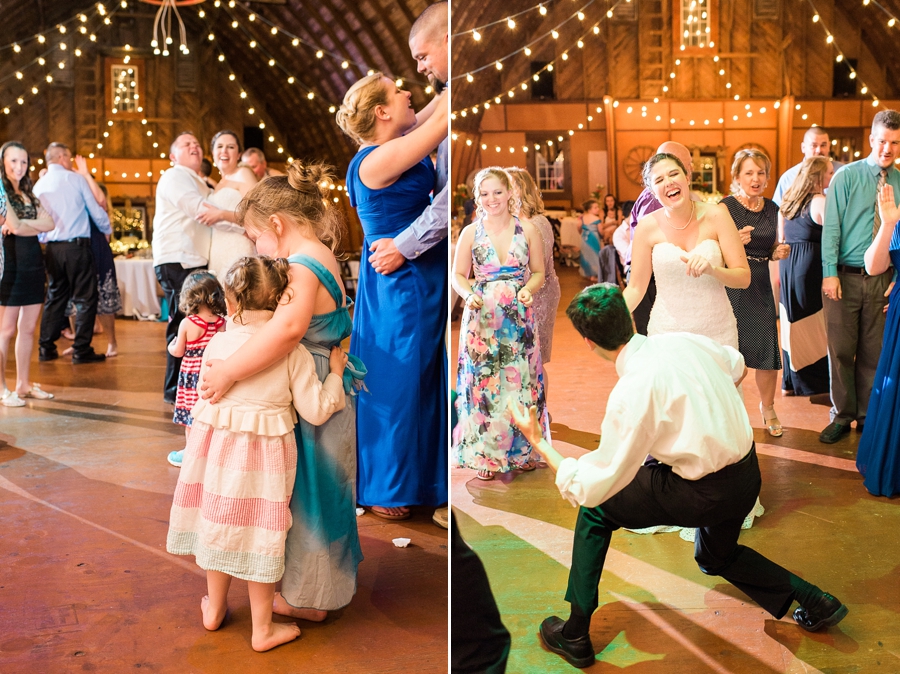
{"x":137,"y":285}
{"x":568,"y":232}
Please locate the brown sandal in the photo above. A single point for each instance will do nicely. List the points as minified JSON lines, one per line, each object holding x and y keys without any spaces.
{"x":485,"y":475}
{"x":528,"y":466}
{"x":389,"y":516}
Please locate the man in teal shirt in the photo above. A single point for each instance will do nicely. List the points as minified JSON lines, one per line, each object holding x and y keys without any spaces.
{"x":853,"y":301}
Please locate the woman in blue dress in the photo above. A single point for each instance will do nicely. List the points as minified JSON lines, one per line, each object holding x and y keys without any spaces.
{"x":878,"y":455}
{"x":400,"y":318}
{"x":290,"y":216}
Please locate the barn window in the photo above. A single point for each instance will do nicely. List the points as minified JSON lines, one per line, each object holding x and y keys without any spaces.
{"x":125,"y":86}
{"x":695,"y":24}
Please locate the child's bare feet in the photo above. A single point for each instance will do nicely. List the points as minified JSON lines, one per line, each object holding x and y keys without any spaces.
{"x":212,"y":615}
{"x":277,"y":634}
{"x":281,"y":607}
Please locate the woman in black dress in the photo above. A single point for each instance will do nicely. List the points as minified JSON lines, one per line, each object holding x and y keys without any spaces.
{"x":23,"y":280}
{"x":754,"y":307}
{"x":802,"y":320}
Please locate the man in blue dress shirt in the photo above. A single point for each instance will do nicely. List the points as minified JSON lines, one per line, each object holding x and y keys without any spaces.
{"x":854,"y":301}
{"x":67,"y":197}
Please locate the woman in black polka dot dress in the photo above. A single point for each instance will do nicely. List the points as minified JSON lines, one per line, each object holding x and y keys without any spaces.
{"x":754,"y":307}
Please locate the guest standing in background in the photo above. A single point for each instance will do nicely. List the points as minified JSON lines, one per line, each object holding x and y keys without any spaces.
{"x":67,"y":197}
{"x":180,"y":241}
{"x":612,"y":218}
{"x":254,"y":159}
{"x":815,"y":144}
{"x":855,"y":300}
{"x":22,"y":274}
{"x":756,"y":219}
{"x":803,"y":340}
{"x":878,"y":456}
{"x":590,"y":240}
{"x":546,"y":298}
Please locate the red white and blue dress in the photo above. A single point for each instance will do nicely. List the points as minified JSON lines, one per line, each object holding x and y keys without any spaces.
{"x":187,"y":396}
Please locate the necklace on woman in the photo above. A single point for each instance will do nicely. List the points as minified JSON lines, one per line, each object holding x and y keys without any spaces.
{"x":685,"y":224}
{"x":745,"y":202}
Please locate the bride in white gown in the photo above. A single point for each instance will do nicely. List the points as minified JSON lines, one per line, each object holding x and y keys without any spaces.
{"x":229,"y":242}
{"x":694,"y":251}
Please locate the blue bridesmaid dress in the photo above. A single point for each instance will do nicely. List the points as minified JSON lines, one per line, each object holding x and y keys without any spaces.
{"x":399,"y":333}
{"x":878,"y":455}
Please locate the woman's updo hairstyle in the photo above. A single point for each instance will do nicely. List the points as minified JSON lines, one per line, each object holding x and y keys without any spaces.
{"x":647,"y":171}
{"x":356,"y":116}
{"x":224,"y":132}
{"x":256,"y":284}
{"x":303,"y":196}
{"x":506,"y":180}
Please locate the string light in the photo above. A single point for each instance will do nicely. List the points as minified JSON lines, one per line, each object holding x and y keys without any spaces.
{"x":540,"y":9}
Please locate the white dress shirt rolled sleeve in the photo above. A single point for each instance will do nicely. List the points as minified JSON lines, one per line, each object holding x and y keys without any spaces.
{"x":675,"y":400}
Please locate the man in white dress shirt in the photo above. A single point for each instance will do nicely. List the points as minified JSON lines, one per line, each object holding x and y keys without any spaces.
{"x":676,"y":399}
{"x":66,"y":196}
{"x":180,"y":242}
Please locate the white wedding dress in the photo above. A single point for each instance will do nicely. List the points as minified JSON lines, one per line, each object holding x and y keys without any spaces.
{"x":228,"y":241}
{"x":696,"y":305}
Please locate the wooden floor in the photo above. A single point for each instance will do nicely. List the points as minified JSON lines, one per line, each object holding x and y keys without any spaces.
{"x":658,"y":613}
{"x":86,"y":584}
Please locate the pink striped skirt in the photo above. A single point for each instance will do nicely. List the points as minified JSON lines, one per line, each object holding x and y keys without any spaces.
{"x":231,"y":506}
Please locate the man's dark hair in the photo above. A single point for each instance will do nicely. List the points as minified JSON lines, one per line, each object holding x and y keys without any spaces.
{"x":889,"y":119}
{"x":599,"y":313}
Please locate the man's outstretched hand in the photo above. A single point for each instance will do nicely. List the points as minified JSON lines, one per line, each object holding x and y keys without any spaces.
{"x":527,"y":421}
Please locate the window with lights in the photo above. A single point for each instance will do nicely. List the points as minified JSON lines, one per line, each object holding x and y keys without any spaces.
{"x":550,"y":170}
{"x":124,"y":87}
{"x":695,"y":25}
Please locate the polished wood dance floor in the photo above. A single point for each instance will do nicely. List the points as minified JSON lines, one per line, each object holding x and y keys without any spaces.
{"x":658,"y":613}
{"x":86,"y":583}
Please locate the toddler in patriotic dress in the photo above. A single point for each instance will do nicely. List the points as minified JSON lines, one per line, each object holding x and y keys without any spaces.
{"x":231,"y":505}
{"x":202,"y":301}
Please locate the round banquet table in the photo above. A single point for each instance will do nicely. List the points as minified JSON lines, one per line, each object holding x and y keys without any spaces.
{"x":138,"y":287}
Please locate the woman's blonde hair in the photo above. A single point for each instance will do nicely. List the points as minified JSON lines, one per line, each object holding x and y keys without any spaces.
{"x":302,"y":196}
{"x":810,"y":181}
{"x":531,"y":202}
{"x":506,"y":180}
{"x":356,"y":116}
{"x":759,"y":158}
{"x":256,"y":284}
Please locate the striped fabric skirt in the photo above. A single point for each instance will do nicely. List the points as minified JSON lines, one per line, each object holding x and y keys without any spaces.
{"x":231,"y":506}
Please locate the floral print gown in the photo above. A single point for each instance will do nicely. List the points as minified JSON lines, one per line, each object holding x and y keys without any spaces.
{"x":499,"y":360}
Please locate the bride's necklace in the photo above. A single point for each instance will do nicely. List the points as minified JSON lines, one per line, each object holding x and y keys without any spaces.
{"x":685,"y":224}
{"x":745,"y":202}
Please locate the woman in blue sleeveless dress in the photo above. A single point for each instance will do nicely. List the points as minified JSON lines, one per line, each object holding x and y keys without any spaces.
{"x":286,"y":216}
{"x":878,"y":455}
{"x":400,"y":318}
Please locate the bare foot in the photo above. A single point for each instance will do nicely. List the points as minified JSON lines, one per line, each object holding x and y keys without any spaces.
{"x":212,"y":616}
{"x":112,"y":351}
{"x":69,"y":351}
{"x":68,"y":334}
{"x":281,"y":607}
{"x":278,"y":633}
{"x":390,"y":512}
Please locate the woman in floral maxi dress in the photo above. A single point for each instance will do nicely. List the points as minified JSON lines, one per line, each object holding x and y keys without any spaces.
{"x":499,"y":351}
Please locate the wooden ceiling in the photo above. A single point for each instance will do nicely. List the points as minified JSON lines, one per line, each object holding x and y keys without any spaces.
{"x":367,"y":34}
{"x":594,"y":71}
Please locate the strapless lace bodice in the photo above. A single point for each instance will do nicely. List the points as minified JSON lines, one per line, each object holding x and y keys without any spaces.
{"x":228,"y":243}
{"x":688,"y":304}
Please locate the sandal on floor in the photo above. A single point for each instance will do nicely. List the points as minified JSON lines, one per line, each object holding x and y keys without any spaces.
{"x":770,"y":419}
{"x":37,"y":393}
{"x":484,"y":475}
{"x":528,"y":466}
{"x":400,"y":515}
{"x":11,"y":399}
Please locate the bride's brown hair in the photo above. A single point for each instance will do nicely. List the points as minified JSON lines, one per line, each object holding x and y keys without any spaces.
{"x":302,"y":196}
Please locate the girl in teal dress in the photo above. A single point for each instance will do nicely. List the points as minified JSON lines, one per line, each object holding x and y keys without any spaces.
{"x":288,"y":216}
{"x":590,"y":240}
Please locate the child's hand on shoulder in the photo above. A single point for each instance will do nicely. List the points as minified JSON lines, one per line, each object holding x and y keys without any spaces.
{"x":337,"y":360}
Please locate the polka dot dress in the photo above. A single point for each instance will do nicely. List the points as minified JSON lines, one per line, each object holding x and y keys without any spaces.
{"x":754,"y":307}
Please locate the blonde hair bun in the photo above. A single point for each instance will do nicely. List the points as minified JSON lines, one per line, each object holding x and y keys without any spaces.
{"x":309,"y":178}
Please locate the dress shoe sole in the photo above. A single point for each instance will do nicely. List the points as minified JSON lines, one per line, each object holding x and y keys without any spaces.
{"x":830,"y":621}
{"x":581,"y":663}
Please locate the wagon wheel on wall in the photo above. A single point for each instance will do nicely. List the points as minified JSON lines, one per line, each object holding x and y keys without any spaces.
{"x":635,"y":160}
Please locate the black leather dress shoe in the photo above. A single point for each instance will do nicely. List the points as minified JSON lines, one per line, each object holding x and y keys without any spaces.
{"x":47,"y":354}
{"x":89,"y":357}
{"x":826,"y":612}
{"x":577,"y":652}
{"x":833,"y":432}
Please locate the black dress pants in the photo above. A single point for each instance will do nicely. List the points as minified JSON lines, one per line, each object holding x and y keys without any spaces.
{"x":171,"y":277}
{"x":479,"y":643}
{"x":715,"y":504}
{"x":70,"y":274}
